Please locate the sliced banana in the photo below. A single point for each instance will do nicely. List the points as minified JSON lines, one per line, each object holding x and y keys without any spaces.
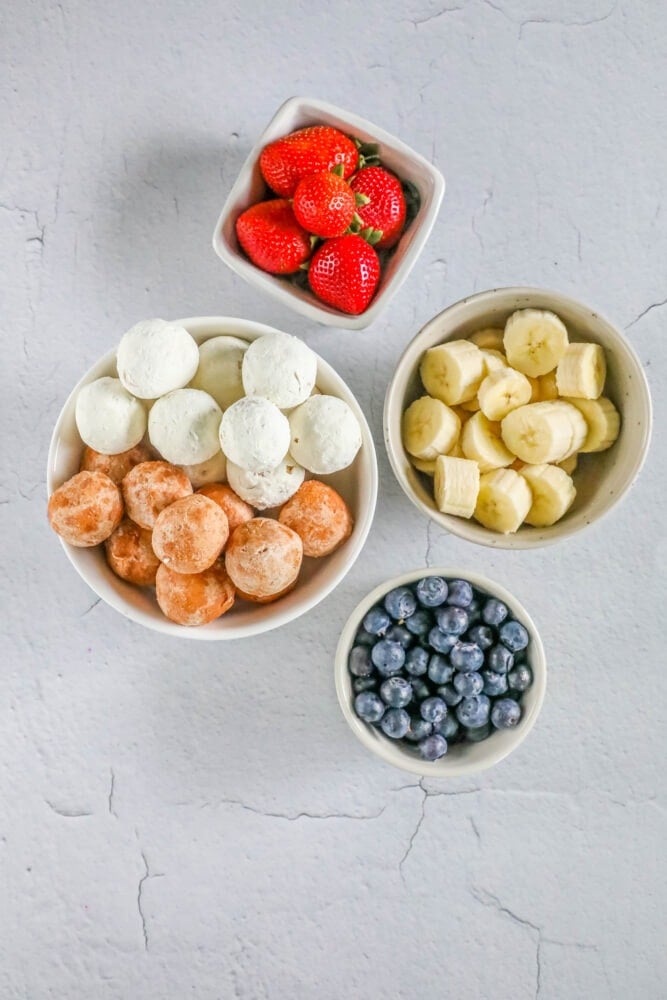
{"x":481,"y":442}
{"x":548,"y":387}
{"x":429,"y":428}
{"x":424,"y":465}
{"x":493,"y":360}
{"x":582,"y":371}
{"x":502,"y":391}
{"x":569,"y":464}
{"x":535,"y":341}
{"x":452,"y":372}
{"x":553,"y":494}
{"x":602,"y":420}
{"x":542,"y":432}
{"x":456,"y":485}
{"x":490,"y":338}
{"x":503,"y":501}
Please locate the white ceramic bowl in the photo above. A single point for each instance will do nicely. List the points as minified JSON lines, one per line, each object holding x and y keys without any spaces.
{"x":462,"y":758}
{"x":601,"y":479}
{"x":250,"y":187}
{"x":357,"y":484}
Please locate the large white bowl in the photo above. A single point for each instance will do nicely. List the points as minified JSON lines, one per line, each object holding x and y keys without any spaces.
{"x":462,"y":758}
{"x":357,"y":484}
{"x":601,"y":479}
{"x":250,"y":187}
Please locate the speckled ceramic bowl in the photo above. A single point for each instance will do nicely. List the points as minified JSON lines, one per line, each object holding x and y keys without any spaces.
{"x":601,"y":479}
{"x":462,"y":758}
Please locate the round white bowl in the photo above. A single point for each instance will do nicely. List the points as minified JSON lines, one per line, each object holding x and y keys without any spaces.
{"x":356,"y":484}
{"x":461,"y":758}
{"x":601,"y":479}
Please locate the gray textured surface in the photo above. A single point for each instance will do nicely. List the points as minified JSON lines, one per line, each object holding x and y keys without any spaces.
{"x":182,"y":820}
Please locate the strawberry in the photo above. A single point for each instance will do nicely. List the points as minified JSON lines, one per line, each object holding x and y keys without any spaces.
{"x":344,"y":273}
{"x":272,"y":238}
{"x":324,"y":204}
{"x":319,"y":147}
{"x":385,"y":209}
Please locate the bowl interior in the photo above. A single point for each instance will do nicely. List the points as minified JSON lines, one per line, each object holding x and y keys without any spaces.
{"x":601,"y":479}
{"x":356,"y":484}
{"x":250,"y":187}
{"x":462,"y":758}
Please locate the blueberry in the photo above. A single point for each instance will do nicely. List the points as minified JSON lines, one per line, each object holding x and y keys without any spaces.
{"x":506,"y":713}
{"x":460,"y":593}
{"x":466,"y":656}
{"x":416,"y":661}
{"x":479,"y":733}
{"x":420,"y":623}
{"x":395,"y":723}
{"x":454,"y":621}
{"x":400,"y":603}
{"x":440,"y":669}
{"x":364,"y":638}
{"x":376,"y":621}
{"x":450,"y":695}
{"x":396,"y":692}
{"x":521,"y":677}
{"x":399,"y":634}
{"x":447,"y":727}
{"x":481,"y":635}
{"x":369,"y":706}
{"x":514,"y":636}
{"x":473,"y":712}
{"x":474,"y":611}
{"x":468,"y":684}
{"x":388,"y":657}
{"x":419,"y":729}
{"x":364,"y":684}
{"x":494,"y":683}
{"x":499,"y":659}
{"x":433,"y":709}
{"x":442,"y":641}
{"x":431,"y":591}
{"x":433,"y":747}
{"x":494,"y":612}
{"x":421,"y":690}
{"x":359,"y":661}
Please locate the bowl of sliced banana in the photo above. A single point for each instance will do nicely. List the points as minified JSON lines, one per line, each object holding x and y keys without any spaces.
{"x":517,"y":417}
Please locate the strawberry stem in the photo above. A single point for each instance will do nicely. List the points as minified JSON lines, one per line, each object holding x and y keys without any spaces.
{"x":339,"y":169}
{"x":361,"y":199}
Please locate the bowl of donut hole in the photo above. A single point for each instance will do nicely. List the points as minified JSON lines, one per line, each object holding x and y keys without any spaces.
{"x":211,"y":478}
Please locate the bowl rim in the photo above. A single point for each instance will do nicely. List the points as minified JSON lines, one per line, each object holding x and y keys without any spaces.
{"x":390,"y":751}
{"x":282,"y":291}
{"x":203,"y":328}
{"x":527,"y":538}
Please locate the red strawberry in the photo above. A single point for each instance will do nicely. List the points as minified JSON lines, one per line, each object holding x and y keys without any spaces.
{"x":284,"y":162}
{"x":272,"y":238}
{"x":324,"y":204}
{"x":344,"y":273}
{"x":386,"y":206}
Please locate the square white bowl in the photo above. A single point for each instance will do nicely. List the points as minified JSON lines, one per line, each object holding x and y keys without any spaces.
{"x":250,"y":187}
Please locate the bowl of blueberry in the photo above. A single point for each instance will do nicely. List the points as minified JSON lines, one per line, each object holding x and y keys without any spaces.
{"x":440,"y":673}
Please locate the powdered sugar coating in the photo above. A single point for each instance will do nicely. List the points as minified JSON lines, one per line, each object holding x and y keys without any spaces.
{"x":326,"y":435}
{"x":190,"y":534}
{"x":219,"y":370}
{"x":154,"y":357}
{"x":263,"y":559}
{"x":254,"y":434}
{"x":213,"y":470}
{"x":85,"y":509}
{"x":194,"y":598}
{"x":281,"y":368}
{"x":108,"y":418}
{"x":266,"y":489}
{"x":183,"y":426}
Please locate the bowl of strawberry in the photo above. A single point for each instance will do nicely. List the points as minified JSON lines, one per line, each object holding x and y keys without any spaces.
{"x":328,"y":214}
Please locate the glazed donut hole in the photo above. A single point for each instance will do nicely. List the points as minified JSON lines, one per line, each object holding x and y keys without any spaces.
{"x":85,"y":509}
{"x":130,"y":554}
{"x":116,"y":467}
{"x":194,"y":598}
{"x":320,"y":517}
{"x":150,"y":487}
{"x":236,"y":509}
{"x":190,"y":534}
{"x":263,"y":559}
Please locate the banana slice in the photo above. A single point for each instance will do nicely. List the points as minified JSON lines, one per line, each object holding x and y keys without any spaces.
{"x":535,"y":341}
{"x":490,"y":338}
{"x":553,"y":494}
{"x":502,"y":391}
{"x":452,"y":372}
{"x":424,"y":465}
{"x":503,"y":501}
{"x":429,"y":428}
{"x":582,"y":371}
{"x":456,"y":485}
{"x":548,"y":387}
{"x":470,"y":405}
{"x":603,"y":423}
{"x":493,"y":360}
{"x":569,"y":464}
{"x":543,"y":432}
{"x":481,"y":442}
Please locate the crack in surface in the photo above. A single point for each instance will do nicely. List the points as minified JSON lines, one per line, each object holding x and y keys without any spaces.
{"x":112,"y":785}
{"x":645,"y":312}
{"x":290,"y":818}
{"x":429,"y":544}
{"x":566,"y":24}
{"x":417,"y":828}
{"x":88,"y":610}
{"x":66,"y":813}
{"x":140,"y":889}
{"x":416,"y":22}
